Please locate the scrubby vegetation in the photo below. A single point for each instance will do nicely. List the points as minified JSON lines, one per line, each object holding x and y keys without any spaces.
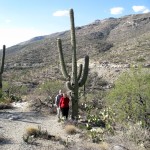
{"x":122,"y":111}
{"x":70,"y":129}
{"x":105,"y":115}
{"x":130,"y":98}
{"x":32,"y":133}
{"x":112,"y":110}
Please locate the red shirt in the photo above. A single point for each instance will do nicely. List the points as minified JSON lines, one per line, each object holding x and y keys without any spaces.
{"x":64,"y":102}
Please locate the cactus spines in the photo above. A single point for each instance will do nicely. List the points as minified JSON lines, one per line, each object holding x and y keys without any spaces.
{"x":2,"y":69}
{"x":78,"y":77}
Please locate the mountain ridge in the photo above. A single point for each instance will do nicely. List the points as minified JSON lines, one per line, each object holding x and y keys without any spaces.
{"x":101,"y":39}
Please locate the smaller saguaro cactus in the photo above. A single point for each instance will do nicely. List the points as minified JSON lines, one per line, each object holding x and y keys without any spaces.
{"x":77,"y":78}
{"x":2,"y":69}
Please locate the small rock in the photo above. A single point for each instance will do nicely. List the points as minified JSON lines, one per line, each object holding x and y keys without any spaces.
{"x":14,"y":118}
{"x":119,"y":147}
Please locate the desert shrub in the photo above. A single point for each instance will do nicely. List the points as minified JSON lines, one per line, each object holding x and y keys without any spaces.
{"x":101,"y":124}
{"x":15,"y":90}
{"x":90,"y":106}
{"x":132,"y":136}
{"x":70,"y":129}
{"x":130,"y":98}
{"x":50,"y":87}
{"x":102,"y":118}
{"x":32,"y":131}
{"x":98,"y":122}
{"x":35,"y":132}
{"x":138,"y":135}
{"x":14,"y":98}
{"x":140,"y":59}
{"x":5,"y":99}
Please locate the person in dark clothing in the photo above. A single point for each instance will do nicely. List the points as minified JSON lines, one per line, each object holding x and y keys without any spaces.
{"x":57,"y":100}
{"x":64,"y":105}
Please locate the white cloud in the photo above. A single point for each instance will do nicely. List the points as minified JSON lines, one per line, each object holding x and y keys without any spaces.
{"x":146,"y":11}
{"x":142,"y":9}
{"x":12,"y":36}
{"x":116,"y":10}
{"x":61,"y":13}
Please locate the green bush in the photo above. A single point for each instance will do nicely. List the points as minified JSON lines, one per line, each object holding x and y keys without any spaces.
{"x":50,"y":87}
{"x":130,"y":97}
{"x":15,"y":89}
{"x":140,"y":59}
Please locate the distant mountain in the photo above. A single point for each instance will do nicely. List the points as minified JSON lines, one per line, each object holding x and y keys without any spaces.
{"x":38,"y":38}
{"x":116,"y":40}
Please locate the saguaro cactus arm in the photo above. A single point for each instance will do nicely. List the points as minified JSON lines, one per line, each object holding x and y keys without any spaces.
{"x":3,"y":59}
{"x":61,"y":56}
{"x":69,"y":86}
{"x":85,"y":72}
{"x":79,"y":72}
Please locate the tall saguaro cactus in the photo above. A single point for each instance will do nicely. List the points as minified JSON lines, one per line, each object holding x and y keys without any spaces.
{"x":2,"y":69}
{"x":77,"y":78}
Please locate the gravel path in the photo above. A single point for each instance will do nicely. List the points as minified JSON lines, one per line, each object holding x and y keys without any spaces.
{"x":13,"y":123}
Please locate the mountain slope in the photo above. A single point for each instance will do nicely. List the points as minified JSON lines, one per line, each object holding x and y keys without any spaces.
{"x":110,"y":38}
{"x":113,"y":45}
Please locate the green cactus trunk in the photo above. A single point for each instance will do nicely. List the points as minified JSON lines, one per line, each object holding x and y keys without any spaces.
{"x":74,"y":99}
{"x":77,"y":79}
{"x":1,"y":71}
{"x":1,"y":85}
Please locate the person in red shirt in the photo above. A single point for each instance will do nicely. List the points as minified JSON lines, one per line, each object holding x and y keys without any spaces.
{"x":64,"y":105}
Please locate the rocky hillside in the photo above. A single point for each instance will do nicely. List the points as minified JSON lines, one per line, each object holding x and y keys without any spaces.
{"x":112,"y":41}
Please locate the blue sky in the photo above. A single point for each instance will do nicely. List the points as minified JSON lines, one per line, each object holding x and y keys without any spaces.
{"x":21,"y":20}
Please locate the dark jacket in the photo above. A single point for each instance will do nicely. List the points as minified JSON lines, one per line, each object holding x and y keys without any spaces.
{"x":57,"y":99}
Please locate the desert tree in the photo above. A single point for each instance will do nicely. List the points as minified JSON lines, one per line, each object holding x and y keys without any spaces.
{"x":130,"y":96}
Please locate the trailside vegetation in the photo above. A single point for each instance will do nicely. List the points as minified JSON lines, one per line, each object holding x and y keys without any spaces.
{"x":130,"y":97}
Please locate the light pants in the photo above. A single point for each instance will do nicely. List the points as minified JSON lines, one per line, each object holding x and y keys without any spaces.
{"x":58,"y":112}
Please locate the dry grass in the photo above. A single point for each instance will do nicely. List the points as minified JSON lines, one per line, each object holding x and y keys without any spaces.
{"x":92,"y":146}
{"x":104,"y":146}
{"x":70,"y":129}
{"x":133,"y":137}
{"x":140,"y":136}
{"x":32,"y":131}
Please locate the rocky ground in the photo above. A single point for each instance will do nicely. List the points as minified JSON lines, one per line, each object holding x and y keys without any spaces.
{"x":14,"y":122}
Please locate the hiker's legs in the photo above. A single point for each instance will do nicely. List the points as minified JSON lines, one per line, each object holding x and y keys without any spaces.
{"x":58,"y":112}
{"x":66,"y":112}
{"x":63,"y":111}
